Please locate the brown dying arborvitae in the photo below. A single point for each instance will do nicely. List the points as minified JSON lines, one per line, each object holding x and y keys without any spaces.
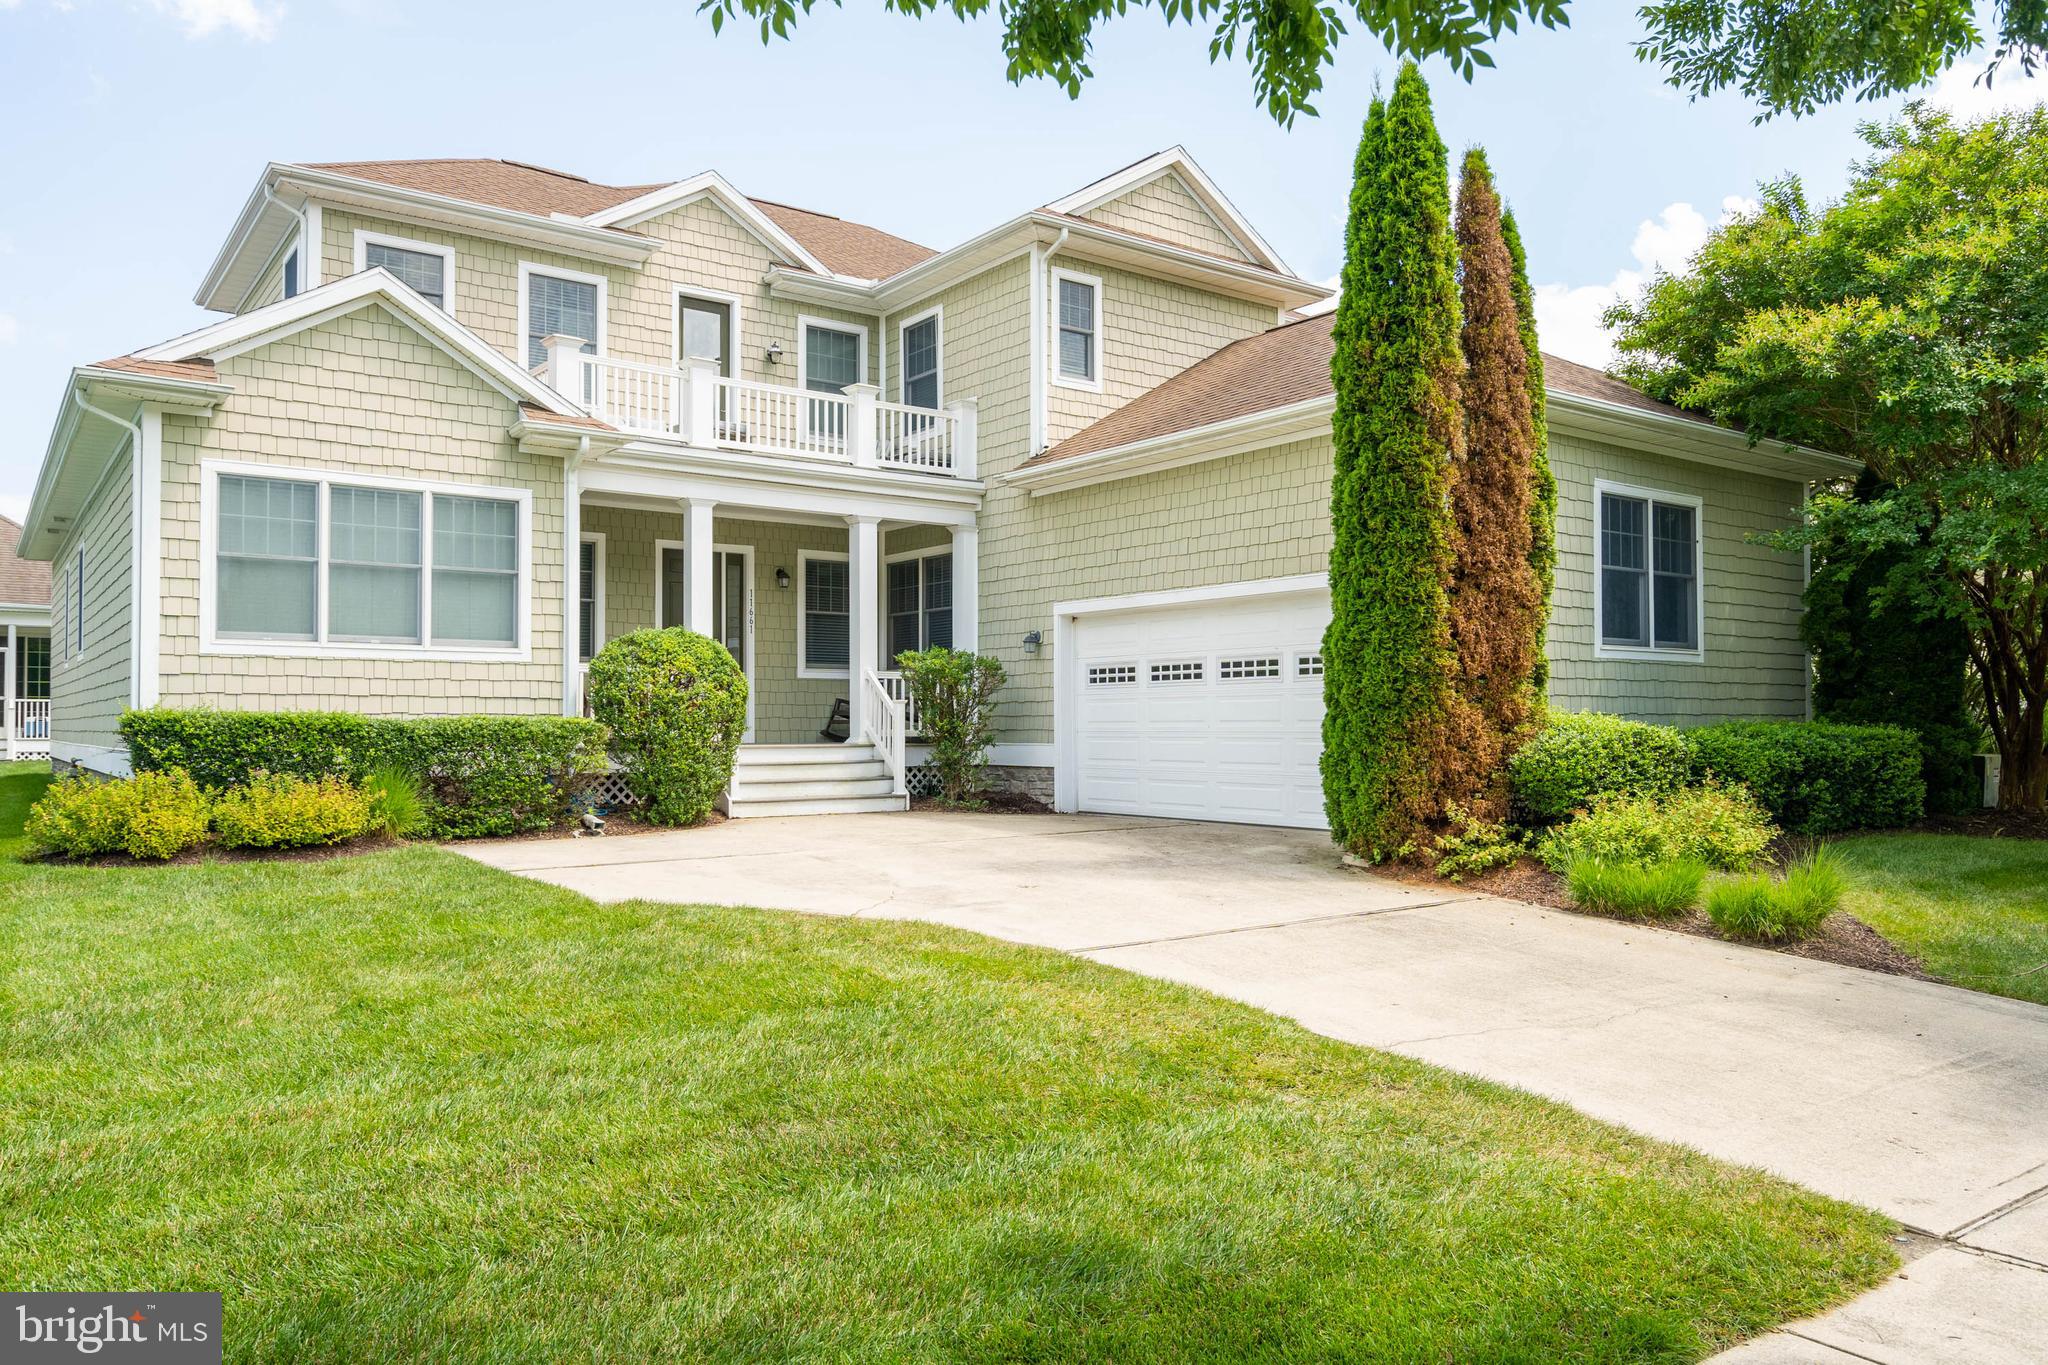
{"x":1495,"y":599}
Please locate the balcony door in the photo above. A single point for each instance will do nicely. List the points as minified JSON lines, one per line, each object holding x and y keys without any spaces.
{"x":732,"y":603}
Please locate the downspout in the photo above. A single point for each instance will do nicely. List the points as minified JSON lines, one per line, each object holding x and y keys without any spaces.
{"x":135,"y":514}
{"x":1035,"y":357}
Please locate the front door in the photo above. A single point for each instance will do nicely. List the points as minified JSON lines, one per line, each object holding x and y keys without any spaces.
{"x":732,"y":603}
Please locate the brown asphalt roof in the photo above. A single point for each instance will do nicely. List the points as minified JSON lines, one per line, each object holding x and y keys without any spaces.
{"x":845,"y":248}
{"x":200,"y":370}
{"x":1287,"y":364}
{"x":563,"y":419}
{"x":22,"y":581}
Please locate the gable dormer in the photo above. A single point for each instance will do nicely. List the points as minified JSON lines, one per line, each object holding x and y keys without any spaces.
{"x":1168,"y":197}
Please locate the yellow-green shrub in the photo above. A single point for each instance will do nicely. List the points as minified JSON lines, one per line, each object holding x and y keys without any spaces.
{"x":1723,"y":827}
{"x":277,"y":810}
{"x":154,"y":815}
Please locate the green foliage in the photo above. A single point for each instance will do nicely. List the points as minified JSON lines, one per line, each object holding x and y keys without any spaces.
{"x":278,"y":810}
{"x":480,"y":775}
{"x":1818,"y":777}
{"x":1765,"y":910}
{"x":1581,"y":755}
{"x":954,"y":691}
{"x":1901,"y":325}
{"x":1634,"y":890}
{"x":1387,"y":654}
{"x":676,"y":704}
{"x":151,"y":815}
{"x":1543,"y":500}
{"x":1473,"y":845}
{"x":398,"y":807}
{"x":1882,"y":657}
{"x":1722,"y":827}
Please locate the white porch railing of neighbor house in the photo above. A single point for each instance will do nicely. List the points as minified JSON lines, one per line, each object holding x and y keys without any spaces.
{"x":695,"y":404}
{"x":898,"y":687}
{"x":881,"y":724}
{"x":28,"y":727}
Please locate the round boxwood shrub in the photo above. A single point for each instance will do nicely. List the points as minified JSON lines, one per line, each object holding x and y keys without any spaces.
{"x":676,"y":705}
{"x":1581,"y":755}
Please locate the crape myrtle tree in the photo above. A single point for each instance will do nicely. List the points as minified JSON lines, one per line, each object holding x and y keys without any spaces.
{"x":1396,"y":734}
{"x":1904,"y":325}
{"x":1789,"y":56}
{"x":1543,"y":483}
{"x":1496,"y":609}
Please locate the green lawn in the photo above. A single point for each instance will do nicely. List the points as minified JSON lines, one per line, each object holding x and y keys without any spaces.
{"x":1974,"y":910}
{"x":399,"y":1107}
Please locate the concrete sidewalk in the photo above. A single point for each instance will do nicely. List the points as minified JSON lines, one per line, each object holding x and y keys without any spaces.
{"x":1923,"y":1101}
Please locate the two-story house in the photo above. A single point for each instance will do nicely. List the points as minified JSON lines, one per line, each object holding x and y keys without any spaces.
{"x":466,"y":420}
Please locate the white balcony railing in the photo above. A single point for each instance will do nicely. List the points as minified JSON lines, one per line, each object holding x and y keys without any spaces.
{"x":695,"y":404}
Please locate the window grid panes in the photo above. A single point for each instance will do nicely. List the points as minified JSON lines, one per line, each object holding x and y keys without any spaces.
{"x":1649,"y":573}
{"x":826,"y":624}
{"x":1112,"y":675}
{"x":1181,"y":672}
{"x":32,"y":668}
{"x":1308,"y":665}
{"x":476,"y":571}
{"x":559,"y":307}
{"x":921,"y":364}
{"x":373,"y":565}
{"x":268,"y":566}
{"x":831,"y":359}
{"x":422,"y":271}
{"x":1240,"y":670}
{"x":1077,"y":329}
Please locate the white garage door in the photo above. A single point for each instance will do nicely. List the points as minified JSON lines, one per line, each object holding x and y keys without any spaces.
{"x":1210,"y":711}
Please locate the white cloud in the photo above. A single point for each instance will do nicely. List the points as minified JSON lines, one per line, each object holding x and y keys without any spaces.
{"x":10,"y":329}
{"x":202,"y":18}
{"x":1568,"y":316}
{"x":13,"y":507}
{"x":1959,"y":90}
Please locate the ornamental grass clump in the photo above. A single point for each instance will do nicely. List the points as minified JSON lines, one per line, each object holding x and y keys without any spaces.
{"x":676,"y":705}
{"x":1764,"y":910}
{"x":278,"y":810}
{"x":1635,"y":891}
{"x":398,"y":806}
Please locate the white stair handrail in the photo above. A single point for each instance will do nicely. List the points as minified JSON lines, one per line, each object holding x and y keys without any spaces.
{"x":881,"y":724}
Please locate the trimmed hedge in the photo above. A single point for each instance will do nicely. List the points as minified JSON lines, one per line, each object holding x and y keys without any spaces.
{"x":1583,"y":755}
{"x":676,"y":703}
{"x":1817,"y":777}
{"x":480,"y":775}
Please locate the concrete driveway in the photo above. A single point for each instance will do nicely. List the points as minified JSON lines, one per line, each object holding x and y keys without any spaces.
{"x":1926,"y":1102}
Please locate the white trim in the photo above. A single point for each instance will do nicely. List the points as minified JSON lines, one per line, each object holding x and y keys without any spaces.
{"x":1175,"y":161}
{"x":803,"y":557}
{"x":108,"y":760}
{"x":324,"y":477}
{"x":1066,"y":738}
{"x":1034,"y":367}
{"x":1653,"y":653}
{"x":1232,"y":436}
{"x":804,"y":323}
{"x":528,"y":269}
{"x":1000,"y":755}
{"x":597,"y":636}
{"x":312,"y":235}
{"x":1058,"y":377}
{"x":735,"y":332}
{"x":365,"y":238}
{"x":148,"y":565}
{"x":662,"y":546}
{"x":712,"y":185}
{"x":935,"y":314}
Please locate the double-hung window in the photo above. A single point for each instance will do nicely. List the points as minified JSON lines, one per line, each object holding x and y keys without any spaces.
{"x":921,"y":362}
{"x":428,"y":270}
{"x":833,"y":358}
{"x":1077,"y":301}
{"x":920,"y":603}
{"x":325,"y":561}
{"x":589,"y":597}
{"x":827,"y":618}
{"x":1649,"y":565}
{"x":559,"y":304}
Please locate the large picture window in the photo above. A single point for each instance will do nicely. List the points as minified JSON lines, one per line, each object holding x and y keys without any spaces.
{"x":920,"y":603}
{"x":1649,"y":591}
{"x":384,"y":567}
{"x":826,"y":623}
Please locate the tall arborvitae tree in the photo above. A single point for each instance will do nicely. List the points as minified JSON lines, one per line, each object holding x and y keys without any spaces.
{"x":1494,"y":597}
{"x":1543,"y":503}
{"x":1392,"y":714}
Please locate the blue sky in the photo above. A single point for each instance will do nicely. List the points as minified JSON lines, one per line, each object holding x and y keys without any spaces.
{"x":139,"y":126}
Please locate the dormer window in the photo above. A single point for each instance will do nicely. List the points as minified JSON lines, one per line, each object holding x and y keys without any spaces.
{"x":428,"y":270}
{"x":291,"y":275}
{"x":1077,"y":315}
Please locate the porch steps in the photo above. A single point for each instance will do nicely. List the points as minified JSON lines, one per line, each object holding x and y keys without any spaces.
{"x":810,"y":779}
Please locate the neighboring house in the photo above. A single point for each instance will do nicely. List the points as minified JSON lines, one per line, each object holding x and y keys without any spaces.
{"x":24,"y":650}
{"x":469,"y":419}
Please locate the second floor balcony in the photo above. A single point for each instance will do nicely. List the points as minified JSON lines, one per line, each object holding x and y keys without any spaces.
{"x":694,"y":404}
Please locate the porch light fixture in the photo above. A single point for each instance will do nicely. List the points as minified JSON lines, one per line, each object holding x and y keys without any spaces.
{"x":782,"y":579}
{"x":775,"y":358}
{"x":1032,"y":642}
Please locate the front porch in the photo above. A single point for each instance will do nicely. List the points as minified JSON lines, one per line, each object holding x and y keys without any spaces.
{"x":25,"y":691}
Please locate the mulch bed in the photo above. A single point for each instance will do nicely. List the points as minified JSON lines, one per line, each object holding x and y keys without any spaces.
{"x":1843,"y":939}
{"x":995,"y":803}
{"x":1988,"y":824}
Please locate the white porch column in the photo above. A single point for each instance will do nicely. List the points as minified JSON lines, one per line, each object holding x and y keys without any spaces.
{"x":697,"y":422}
{"x":966,"y":415}
{"x":563,"y":370}
{"x":966,"y":587}
{"x":860,"y":424}
{"x":572,"y":591}
{"x":697,"y":538}
{"x":864,"y":582}
{"x":7,"y":688}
